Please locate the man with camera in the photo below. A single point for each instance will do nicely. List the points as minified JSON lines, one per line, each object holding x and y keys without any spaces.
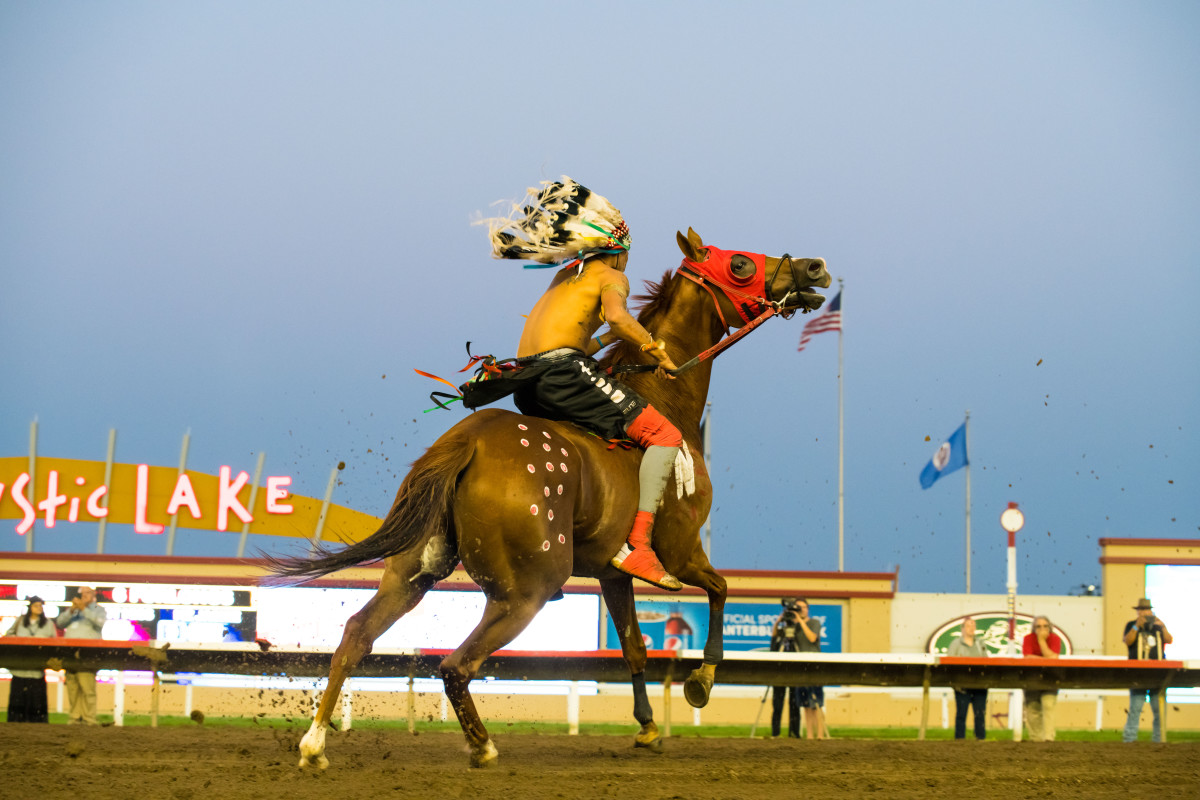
{"x":796,"y":632}
{"x":1146,"y":637}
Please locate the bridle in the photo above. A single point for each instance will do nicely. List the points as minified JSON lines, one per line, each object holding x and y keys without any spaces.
{"x":702,"y":274}
{"x":764,"y":307}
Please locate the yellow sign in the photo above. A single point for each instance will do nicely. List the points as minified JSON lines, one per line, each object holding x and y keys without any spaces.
{"x":69,"y":490}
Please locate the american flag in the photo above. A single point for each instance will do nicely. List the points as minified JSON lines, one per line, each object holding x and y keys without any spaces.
{"x":829,"y":320}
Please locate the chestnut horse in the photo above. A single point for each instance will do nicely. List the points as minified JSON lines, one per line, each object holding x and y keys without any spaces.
{"x":525,"y":503}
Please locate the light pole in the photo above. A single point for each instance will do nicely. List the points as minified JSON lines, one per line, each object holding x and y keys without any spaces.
{"x":1012,"y":520}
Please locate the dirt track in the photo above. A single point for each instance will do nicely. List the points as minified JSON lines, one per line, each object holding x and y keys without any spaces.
{"x":44,"y":762}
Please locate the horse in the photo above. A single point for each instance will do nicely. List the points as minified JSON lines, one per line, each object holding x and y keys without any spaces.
{"x":525,"y":503}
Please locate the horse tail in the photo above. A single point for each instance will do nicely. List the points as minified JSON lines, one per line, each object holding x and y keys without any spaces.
{"x":420,"y":512}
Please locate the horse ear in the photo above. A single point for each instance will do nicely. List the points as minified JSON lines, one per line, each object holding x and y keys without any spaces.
{"x":692,"y":247}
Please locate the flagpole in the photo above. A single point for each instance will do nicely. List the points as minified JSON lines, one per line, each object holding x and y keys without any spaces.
{"x":841,"y":448}
{"x":967,"y":446}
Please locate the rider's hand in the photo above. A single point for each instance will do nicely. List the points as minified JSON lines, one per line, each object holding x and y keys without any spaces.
{"x":658,"y":351}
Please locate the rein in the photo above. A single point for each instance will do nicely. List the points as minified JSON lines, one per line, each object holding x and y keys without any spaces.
{"x":688,"y":270}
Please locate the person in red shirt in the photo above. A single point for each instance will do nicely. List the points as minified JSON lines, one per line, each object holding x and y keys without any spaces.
{"x":1040,"y":703}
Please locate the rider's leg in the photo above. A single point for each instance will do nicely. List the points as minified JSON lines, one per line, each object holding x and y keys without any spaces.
{"x":661,"y":441}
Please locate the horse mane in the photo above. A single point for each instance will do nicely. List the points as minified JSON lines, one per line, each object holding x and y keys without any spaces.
{"x":653,"y":304}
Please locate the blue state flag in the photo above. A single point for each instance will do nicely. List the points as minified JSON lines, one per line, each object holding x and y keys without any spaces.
{"x":950,"y":456}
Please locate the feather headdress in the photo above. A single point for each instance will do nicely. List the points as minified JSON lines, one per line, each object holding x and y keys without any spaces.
{"x":561,"y":221}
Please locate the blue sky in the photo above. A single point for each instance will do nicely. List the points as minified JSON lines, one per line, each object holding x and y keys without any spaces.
{"x":237,"y":218}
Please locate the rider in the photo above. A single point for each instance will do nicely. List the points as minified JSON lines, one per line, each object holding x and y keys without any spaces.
{"x":565,"y":225}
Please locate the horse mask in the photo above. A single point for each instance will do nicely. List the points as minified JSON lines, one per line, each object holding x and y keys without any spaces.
{"x":743,"y":276}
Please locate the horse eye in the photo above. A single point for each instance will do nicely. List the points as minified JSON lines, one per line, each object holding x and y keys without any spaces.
{"x":741,"y":266}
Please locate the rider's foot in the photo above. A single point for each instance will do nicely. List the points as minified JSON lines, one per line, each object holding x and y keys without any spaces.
{"x":637,"y":559}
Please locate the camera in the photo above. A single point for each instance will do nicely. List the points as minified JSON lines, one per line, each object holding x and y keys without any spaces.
{"x":791,"y":611}
{"x":1150,"y":623}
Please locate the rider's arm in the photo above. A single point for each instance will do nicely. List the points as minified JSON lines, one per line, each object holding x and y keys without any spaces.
{"x":622,"y":324}
{"x":600,"y":341}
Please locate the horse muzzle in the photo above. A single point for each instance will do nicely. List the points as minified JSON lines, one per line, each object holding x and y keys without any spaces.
{"x":805,"y":274}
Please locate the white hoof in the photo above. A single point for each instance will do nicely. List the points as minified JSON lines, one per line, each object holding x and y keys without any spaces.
{"x":484,"y":755}
{"x":312,"y":748}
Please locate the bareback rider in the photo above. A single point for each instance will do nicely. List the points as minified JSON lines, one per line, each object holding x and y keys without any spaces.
{"x":565,"y":225}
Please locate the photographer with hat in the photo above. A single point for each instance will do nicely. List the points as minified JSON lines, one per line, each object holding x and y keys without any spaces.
{"x":795,"y":632}
{"x":1147,"y":638}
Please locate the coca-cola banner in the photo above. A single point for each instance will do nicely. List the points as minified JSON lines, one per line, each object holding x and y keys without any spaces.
{"x":683,"y":625}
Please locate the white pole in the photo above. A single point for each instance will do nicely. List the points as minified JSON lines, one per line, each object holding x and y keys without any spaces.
{"x":119,"y":699}
{"x":29,"y":493}
{"x":347,"y":709}
{"x":241,"y":551}
{"x":573,"y":709}
{"x":707,"y":444}
{"x":841,"y":441}
{"x":108,"y":468}
{"x":316,"y":539}
{"x":967,"y":447}
{"x":1016,"y":710}
{"x":188,"y":698}
{"x":187,"y":438}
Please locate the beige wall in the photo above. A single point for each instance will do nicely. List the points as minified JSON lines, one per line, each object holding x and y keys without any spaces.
{"x":869,"y":625}
{"x":729,"y":706}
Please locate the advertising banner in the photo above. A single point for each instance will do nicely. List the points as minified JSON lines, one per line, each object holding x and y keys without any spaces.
{"x":747,"y":626}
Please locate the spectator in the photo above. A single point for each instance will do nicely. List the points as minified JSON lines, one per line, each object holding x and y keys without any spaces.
{"x":786,"y":638}
{"x":811,"y":698}
{"x":27,"y":693}
{"x":1147,"y":638}
{"x":1040,"y":703}
{"x":967,"y":645}
{"x":83,"y":620}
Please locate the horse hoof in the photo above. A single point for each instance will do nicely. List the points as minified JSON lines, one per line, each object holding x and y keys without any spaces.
{"x":484,"y":755}
{"x":319,"y":761}
{"x":654,"y":745}
{"x":312,"y":748}
{"x":697,"y":687}
{"x":649,"y":738}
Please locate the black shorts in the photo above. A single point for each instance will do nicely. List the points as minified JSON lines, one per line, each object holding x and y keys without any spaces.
{"x":563,"y":385}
